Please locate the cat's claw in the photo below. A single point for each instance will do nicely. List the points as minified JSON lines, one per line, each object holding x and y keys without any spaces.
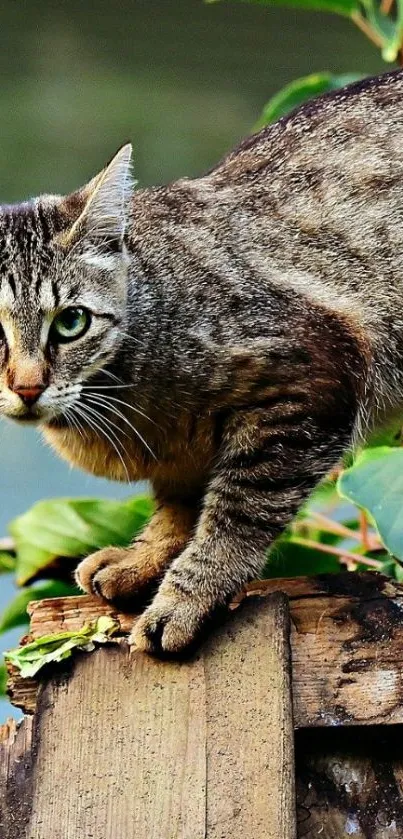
{"x":168,"y":626}
{"x":118,"y":575}
{"x":92,"y":567}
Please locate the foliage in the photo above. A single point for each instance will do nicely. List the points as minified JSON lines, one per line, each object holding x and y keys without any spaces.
{"x":48,"y":649}
{"x":51,"y":532}
{"x":50,"y":538}
{"x":3,"y":679}
{"x":15,"y":613}
{"x":375,"y":483}
{"x":300,"y":90}
{"x":381,"y":22}
{"x":352,"y":521}
{"x":73,"y":528}
{"x":340,"y":7}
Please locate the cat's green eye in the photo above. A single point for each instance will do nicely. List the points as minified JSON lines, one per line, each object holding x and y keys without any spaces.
{"x":70,"y":324}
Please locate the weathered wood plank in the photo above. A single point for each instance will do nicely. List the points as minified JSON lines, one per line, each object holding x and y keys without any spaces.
{"x":347,"y":653}
{"x":128,"y":734}
{"x":347,"y":661}
{"x":250,"y":738}
{"x":347,"y":645}
{"x":15,"y":770}
{"x":129,"y":746}
{"x":59,"y":613}
{"x":349,"y":783}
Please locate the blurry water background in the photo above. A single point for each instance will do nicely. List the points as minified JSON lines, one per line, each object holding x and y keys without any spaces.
{"x":183,"y":80}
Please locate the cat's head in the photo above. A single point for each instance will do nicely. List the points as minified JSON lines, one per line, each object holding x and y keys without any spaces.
{"x":63,"y":289}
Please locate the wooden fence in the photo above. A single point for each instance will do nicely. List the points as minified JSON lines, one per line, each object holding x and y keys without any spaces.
{"x":286,"y":723}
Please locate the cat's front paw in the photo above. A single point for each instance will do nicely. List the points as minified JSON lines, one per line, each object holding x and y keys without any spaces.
{"x":89,"y":568}
{"x":170,"y":625}
{"x":115,"y":574}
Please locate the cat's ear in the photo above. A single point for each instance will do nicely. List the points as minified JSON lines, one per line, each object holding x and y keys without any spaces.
{"x":104,"y":205}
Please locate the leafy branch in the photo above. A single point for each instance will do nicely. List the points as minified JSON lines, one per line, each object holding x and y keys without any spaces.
{"x":381,"y":23}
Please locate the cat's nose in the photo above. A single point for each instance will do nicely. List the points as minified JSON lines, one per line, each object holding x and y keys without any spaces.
{"x":28,"y":393}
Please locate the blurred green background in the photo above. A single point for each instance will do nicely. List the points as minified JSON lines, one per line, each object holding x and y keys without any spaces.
{"x":183,"y":80}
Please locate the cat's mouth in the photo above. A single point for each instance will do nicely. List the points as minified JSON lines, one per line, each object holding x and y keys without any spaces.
{"x":27,"y":419}
{"x":35,"y":415}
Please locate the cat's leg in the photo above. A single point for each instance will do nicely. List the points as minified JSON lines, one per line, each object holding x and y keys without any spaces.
{"x":271,"y":458}
{"x":119,"y":574}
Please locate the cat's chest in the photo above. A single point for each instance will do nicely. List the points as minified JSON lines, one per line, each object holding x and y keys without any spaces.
{"x":117,"y":458}
{"x":183,"y":457}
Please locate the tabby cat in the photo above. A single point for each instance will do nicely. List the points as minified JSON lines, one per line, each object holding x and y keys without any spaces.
{"x":226,"y":338}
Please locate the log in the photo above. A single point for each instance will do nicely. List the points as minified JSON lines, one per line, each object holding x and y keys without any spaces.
{"x":128,"y":746}
{"x":346,"y":643}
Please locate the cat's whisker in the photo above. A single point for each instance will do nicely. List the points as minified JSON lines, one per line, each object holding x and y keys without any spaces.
{"x":108,"y":422}
{"x":73,"y":422}
{"x":131,"y":338}
{"x":76,"y":424}
{"x":97,"y":428}
{"x":108,"y":398}
{"x":101,"y":402}
{"x":105,"y":387}
{"x":80,"y":425}
{"x":111,"y":375}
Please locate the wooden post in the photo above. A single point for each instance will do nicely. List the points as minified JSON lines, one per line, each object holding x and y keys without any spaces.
{"x":127,"y":747}
{"x":15,"y":772}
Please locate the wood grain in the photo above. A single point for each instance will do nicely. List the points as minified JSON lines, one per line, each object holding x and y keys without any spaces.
{"x":127,"y":733}
{"x":127,"y":746}
{"x":250,"y":743}
{"x":15,"y":774}
{"x":346,"y":641}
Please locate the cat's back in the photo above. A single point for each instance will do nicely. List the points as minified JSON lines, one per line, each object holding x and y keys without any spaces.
{"x":337,"y":133}
{"x":315,"y":201}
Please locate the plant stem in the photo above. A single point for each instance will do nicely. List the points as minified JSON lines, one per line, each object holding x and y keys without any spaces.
{"x":335,"y":473}
{"x":372,"y":542}
{"x":331,"y":549}
{"x":367,"y":29}
{"x":364,"y":530}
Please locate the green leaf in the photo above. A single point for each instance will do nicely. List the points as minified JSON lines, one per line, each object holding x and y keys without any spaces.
{"x":290,"y":558}
{"x":340,"y":7}
{"x":55,"y":648}
{"x":390,"y":568}
{"x":375,"y":483}
{"x":323,"y":495}
{"x":301,"y":90}
{"x":7,"y":562}
{"x":15,"y":613}
{"x":3,"y":680}
{"x":390,"y":433}
{"x":74,"y":528}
